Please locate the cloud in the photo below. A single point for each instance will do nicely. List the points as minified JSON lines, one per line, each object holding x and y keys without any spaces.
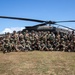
{"x":10,"y":30}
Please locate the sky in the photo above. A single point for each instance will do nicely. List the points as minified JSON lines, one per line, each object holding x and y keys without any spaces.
{"x":55,"y":10}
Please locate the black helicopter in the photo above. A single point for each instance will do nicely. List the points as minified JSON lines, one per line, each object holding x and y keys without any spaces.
{"x":43,"y":25}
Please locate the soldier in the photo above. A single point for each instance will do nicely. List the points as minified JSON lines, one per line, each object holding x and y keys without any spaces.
{"x":33,"y":45}
{"x":33,"y":33}
{"x":15,"y":37}
{"x":1,"y":43}
{"x":73,"y":46}
{"x":60,"y":46}
{"x":20,"y":47}
{"x":11,"y":43}
{"x":38,"y":45}
{"x":48,"y":36}
{"x":45,"y":38}
{"x":64,"y":45}
{"x":13,"y":47}
{"x":26,"y":36}
{"x":28,"y":45}
{"x":65,"y":37}
{"x":49,"y":46}
{"x":43,"y":46}
{"x":67,"y":45}
{"x":32,"y":39}
{"x":57,"y":43}
{"x":20,"y":36}
{"x":22,"y":42}
{"x":6,"y":44}
{"x":58,"y":36}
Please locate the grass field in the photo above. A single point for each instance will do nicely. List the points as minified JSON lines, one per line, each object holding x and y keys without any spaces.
{"x":37,"y":63}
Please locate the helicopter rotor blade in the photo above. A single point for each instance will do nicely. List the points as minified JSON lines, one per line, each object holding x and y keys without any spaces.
{"x":65,"y":27}
{"x":24,"y":19}
{"x":65,"y":21}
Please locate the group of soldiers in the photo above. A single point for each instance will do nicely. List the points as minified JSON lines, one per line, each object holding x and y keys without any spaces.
{"x":37,"y":40}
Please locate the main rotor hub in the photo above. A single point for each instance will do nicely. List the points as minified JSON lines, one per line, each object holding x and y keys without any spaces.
{"x":51,"y":22}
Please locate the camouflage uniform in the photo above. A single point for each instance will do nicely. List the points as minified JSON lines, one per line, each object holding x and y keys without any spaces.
{"x":20,"y":47}
{"x":39,"y":45}
{"x":33,"y":46}
{"x":49,"y":46}
{"x":64,"y":46}
{"x":6,"y":45}
{"x":44,"y":47}
{"x":22,"y":42}
{"x":28,"y":45}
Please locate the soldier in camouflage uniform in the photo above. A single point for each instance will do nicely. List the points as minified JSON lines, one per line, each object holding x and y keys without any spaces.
{"x":43,"y":46}
{"x":33,"y":46}
{"x":22,"y":42}
{"x":14,"y":41}
{"x":28,"y":45}
{"x":6,"y":44}
{"x":49,"y":46}
{"x":38,"y":45}
{"x":21,"y":46}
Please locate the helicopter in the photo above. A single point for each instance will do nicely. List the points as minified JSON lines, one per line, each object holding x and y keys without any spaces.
{"x":44,"y":25}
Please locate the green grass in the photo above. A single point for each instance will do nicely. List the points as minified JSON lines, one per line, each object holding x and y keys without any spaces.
{"x":37,"y":63}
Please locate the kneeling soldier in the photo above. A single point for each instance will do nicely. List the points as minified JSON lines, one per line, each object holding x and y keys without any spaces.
{"x":6,"y":46}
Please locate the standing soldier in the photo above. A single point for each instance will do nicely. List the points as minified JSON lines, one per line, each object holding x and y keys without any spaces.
{"x":11,"y":43}
{"x":58,"y":36}
{"x":15,"y":37}
{"x":20,"y":36}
